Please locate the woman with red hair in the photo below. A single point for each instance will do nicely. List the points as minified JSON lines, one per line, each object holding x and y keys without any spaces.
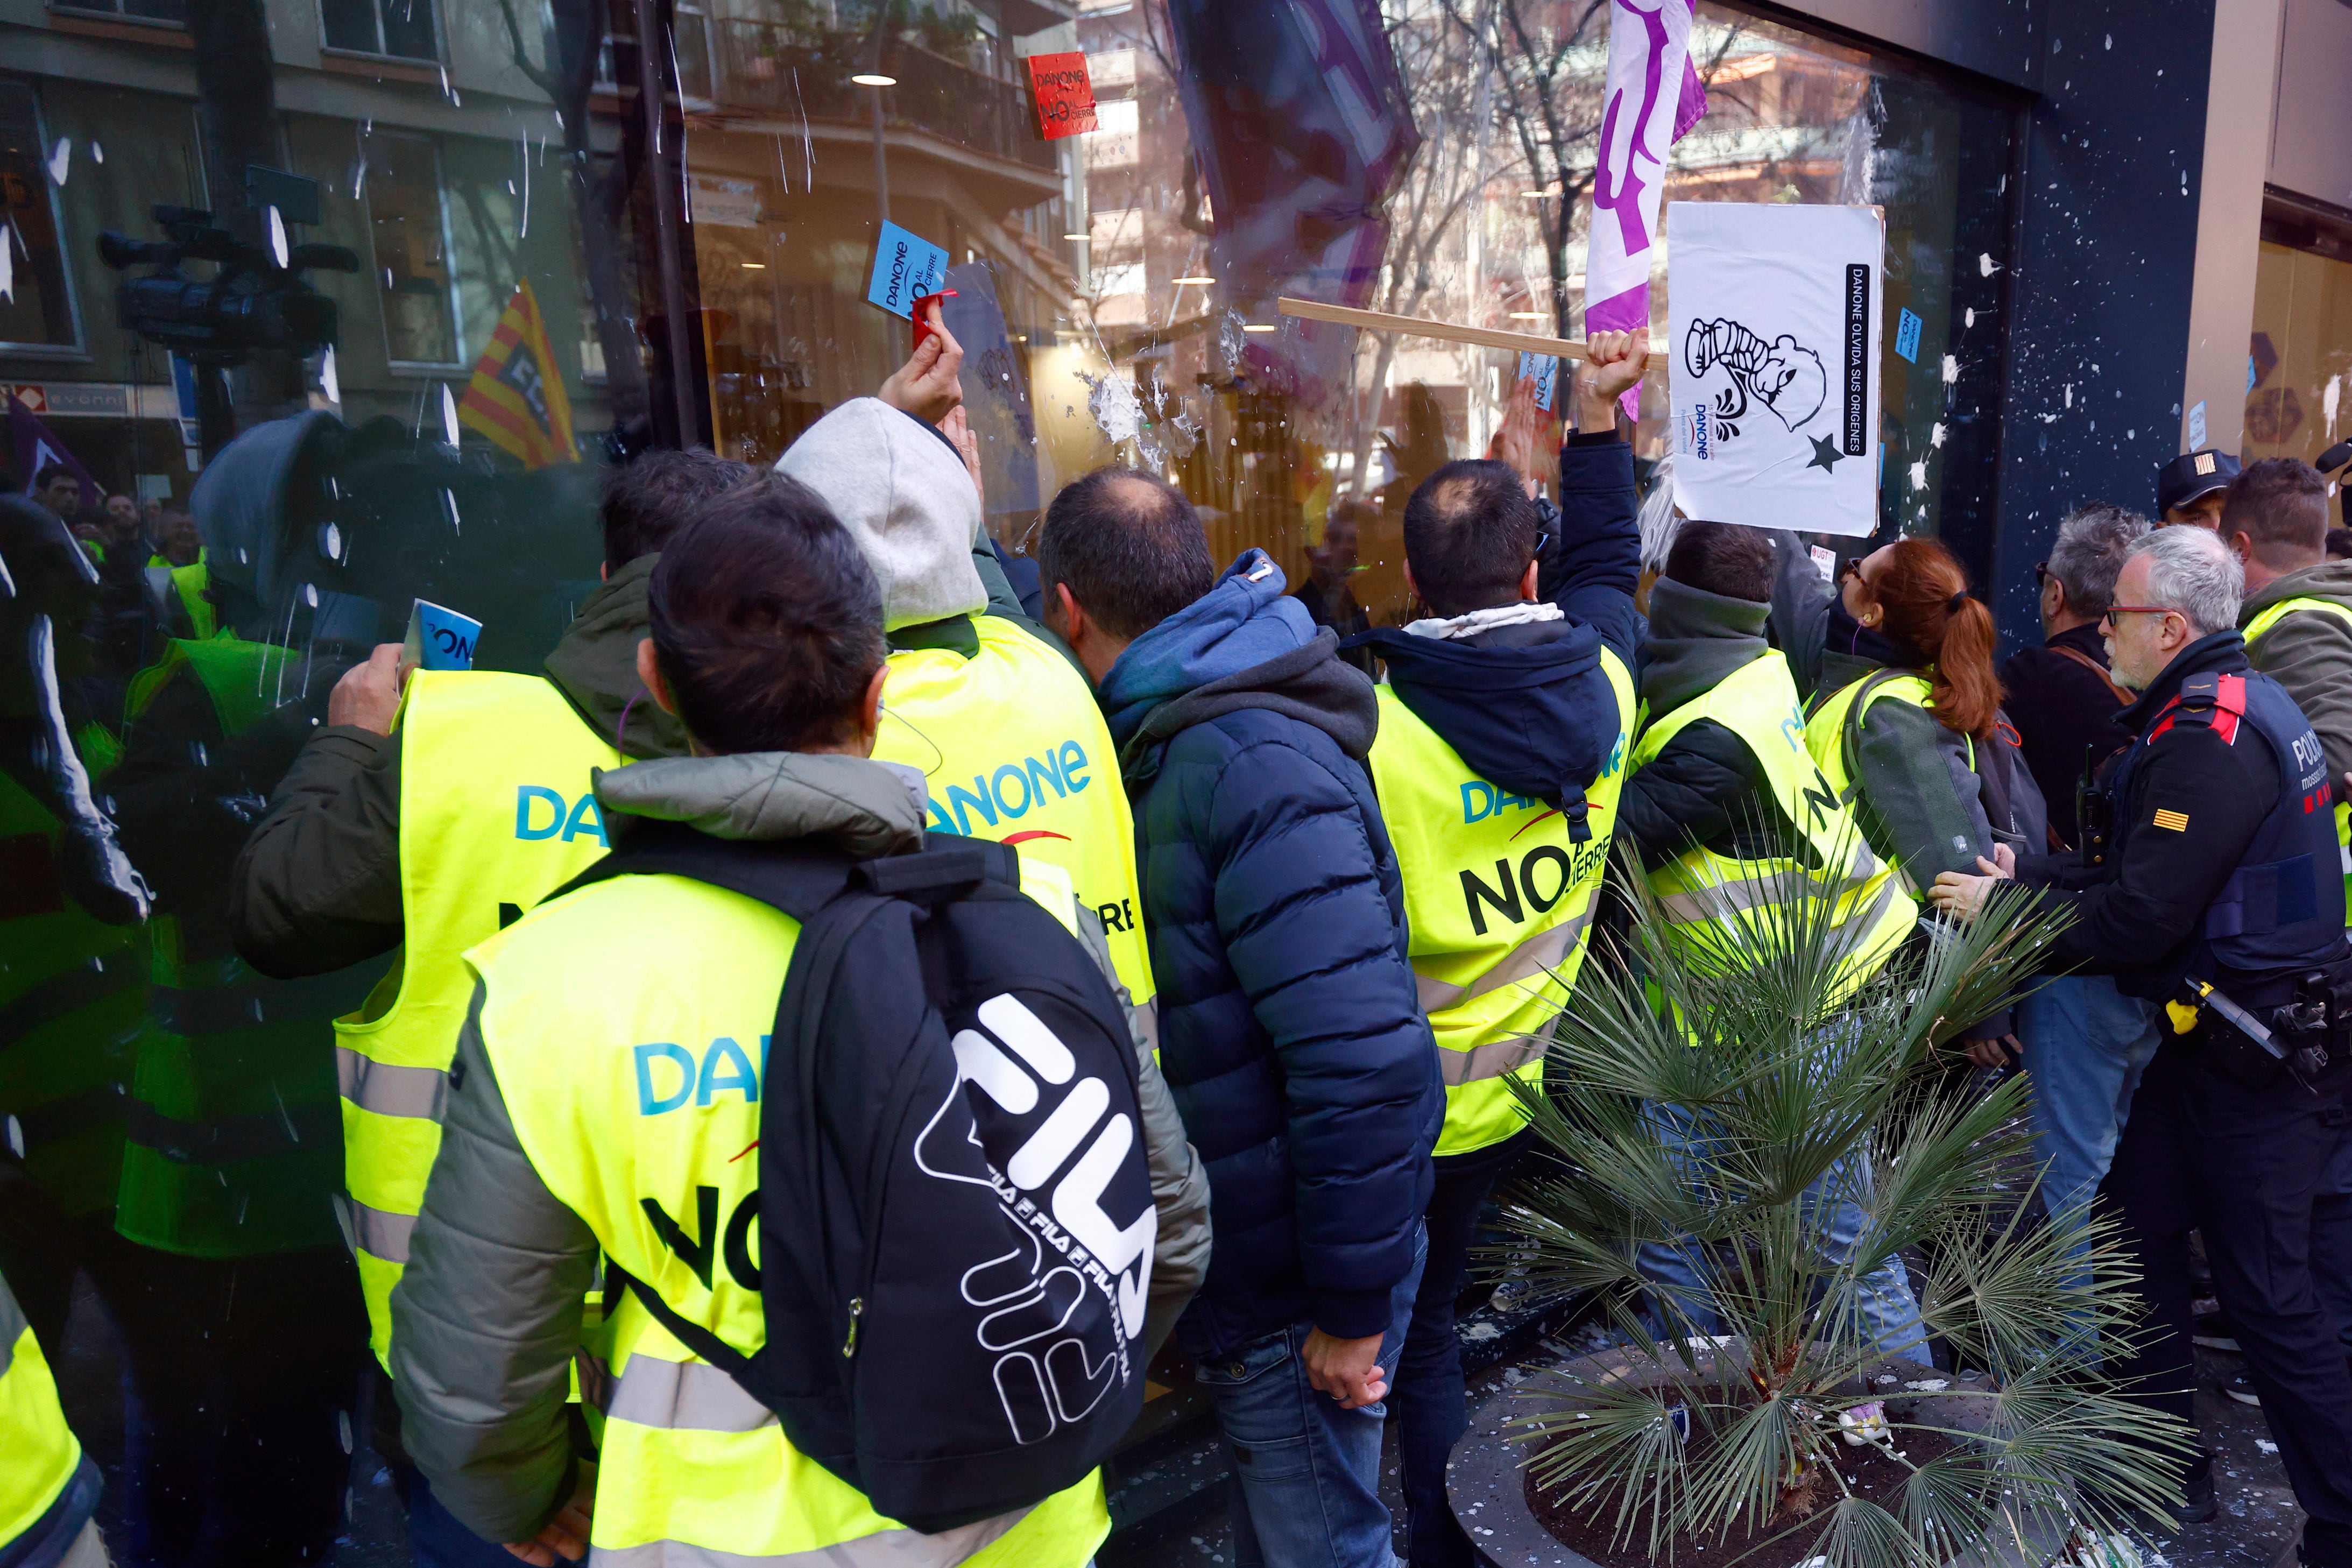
{"x":1904,"y":712}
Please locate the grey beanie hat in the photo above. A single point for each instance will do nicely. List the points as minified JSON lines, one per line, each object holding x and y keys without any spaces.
{"x":902,"y":492}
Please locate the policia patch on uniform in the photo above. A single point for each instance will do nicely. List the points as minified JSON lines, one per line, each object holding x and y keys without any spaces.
{"x":2176,"y":820}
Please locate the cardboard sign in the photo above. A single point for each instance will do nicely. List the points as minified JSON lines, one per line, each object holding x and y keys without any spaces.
{"x":1544,"y":370}
{"x":906,"y":267}
{"x":1774,"y":340}
{"x":439,"y":638}
{"x":1066,"y":94}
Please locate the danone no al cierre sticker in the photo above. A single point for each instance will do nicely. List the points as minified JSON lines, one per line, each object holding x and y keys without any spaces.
{"x":1066,"y":94}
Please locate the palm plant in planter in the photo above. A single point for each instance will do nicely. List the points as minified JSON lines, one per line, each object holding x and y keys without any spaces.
{"x":1754,"y":1384}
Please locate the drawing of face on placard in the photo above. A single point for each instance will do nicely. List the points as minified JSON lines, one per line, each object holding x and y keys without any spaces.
{"x":1748,"y":376}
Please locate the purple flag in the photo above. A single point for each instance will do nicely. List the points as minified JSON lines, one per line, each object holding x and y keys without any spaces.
{"x":1649,"y":48}
{"x":36,"y":446}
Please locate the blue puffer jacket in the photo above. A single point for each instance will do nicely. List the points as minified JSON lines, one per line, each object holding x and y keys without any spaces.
{"x":1289,"y":1030}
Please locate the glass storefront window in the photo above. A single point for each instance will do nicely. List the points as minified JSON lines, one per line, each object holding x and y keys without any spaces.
{"x":2299,"y":361}
{"x":353,"y":303}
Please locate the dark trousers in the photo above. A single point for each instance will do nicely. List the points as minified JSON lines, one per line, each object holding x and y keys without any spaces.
{"x":239,"y":1379}
{"x":1428,"y":1402}
{"x":2243,"y":1166}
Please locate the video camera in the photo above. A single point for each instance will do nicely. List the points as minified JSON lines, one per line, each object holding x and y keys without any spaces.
{"x":257,"y":299}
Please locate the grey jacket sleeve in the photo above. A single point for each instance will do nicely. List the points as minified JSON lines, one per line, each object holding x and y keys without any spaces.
{"x":487,"y":1317}
{"x":1922,"y":805}
{"x":1180,"y":1183}
{"x":1801,"y":610}
{"x":2309,"y":652}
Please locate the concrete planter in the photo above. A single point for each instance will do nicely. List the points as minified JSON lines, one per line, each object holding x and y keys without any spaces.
{"x":1487,"y":1479}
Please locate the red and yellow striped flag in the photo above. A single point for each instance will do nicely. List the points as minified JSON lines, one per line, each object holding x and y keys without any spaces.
{"x":516,"y":398}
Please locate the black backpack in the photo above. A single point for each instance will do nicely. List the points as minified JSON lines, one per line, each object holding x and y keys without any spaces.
{"x":955,"y":1210}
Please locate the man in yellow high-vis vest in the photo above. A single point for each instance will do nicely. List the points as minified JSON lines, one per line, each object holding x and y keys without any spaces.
{"x":1731,"y":816}
{"x":48,"y":1486}
{"x":1001,"y":723}
{"x":1505,"y":722}
{"x":429,"y":813}
{"x":2297,"y":621}
{"x":567,"y":1134}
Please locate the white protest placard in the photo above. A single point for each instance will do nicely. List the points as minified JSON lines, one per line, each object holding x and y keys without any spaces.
{"x":1774,"y":334}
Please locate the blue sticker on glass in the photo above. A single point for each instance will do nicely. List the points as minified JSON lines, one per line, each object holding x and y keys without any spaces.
{"x":1906,"y":336}
{"x":906,"y":267}
{"x":1544,"y":371}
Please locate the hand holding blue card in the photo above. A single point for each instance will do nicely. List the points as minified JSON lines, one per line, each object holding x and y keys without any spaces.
{"x":1544,"y":371}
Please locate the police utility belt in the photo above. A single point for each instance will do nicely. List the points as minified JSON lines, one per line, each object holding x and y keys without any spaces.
{"x":2293,"y":1029}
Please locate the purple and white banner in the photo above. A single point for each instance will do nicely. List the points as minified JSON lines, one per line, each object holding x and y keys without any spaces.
{"x":1654,"y":96}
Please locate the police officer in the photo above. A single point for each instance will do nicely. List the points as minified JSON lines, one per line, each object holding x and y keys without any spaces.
{"x":432,"y":809}
{"x":1001,"y":723}
{"x":2217,"y":895}
{"x":765,"y":628}
{"x":1503,"y":731}
{"x":49,"y":1487}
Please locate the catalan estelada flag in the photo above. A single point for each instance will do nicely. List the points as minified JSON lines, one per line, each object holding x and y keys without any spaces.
{"x":516,"y":398}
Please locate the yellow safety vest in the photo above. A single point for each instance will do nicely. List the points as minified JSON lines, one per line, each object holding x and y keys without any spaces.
{"x":625,"y":1025}
{"x":2264,"y":621}
{"x":72,"y":993}
{"x":38,"y":1453}
{"x":496,"y":813}
{"x":1015,"y":750}
{"x":192,"y":583}
{"x":1500,"y":899}
{"x":1825,"y":735}
{"x":1710,"y":901}
{"x":232,"y":1148}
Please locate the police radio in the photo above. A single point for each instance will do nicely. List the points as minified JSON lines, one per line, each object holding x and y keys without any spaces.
{"x":2094,"y":810}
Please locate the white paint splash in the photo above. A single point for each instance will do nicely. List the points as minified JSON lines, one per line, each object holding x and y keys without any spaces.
{"x":1113,"y":404}
{"x":448,"y":414}
{"x":61,"y":161}
{"x":333,"y":388}
{"x":2070,"y":394}
{"x":1951,"y":369}
{"x":279,"y":250}
{"x":2331,"y":398}
{"x":1985,"y":266}
{"x":8,"y":243}
{"x":1968,"y":316}
{"x":1919,"y":475}
{"x":97,"y":153}
{"x":1935,"y":437}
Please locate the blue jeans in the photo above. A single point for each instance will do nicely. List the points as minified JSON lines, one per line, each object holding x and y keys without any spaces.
{"x":2087,"y":1045}
{"x":1888,"y":1313}
{"x":1307,"y":1474}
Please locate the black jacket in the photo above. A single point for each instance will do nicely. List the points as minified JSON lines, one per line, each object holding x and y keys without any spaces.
{"x":2061,"y":711}
{"x":2138,"y":916}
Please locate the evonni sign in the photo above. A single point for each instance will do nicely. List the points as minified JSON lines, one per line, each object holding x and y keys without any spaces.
{"x":1774,"y":331}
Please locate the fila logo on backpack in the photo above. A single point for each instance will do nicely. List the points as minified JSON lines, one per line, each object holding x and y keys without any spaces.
{"x":954,"y":1208}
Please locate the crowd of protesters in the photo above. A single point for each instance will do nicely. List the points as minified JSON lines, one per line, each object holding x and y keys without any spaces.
{"x":1277,"y":881}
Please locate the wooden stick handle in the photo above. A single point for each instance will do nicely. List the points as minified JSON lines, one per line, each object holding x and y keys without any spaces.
{"x":1445,"y":331}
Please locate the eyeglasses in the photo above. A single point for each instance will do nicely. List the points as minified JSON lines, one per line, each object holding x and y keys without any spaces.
{"x":2114,"y":610}
{"x":1851,"y":567}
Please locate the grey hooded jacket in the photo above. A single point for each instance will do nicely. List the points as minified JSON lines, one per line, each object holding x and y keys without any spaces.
{"x":486,"y":1320}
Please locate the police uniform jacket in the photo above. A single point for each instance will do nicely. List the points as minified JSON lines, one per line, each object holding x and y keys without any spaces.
{"x":2194,"y":802}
